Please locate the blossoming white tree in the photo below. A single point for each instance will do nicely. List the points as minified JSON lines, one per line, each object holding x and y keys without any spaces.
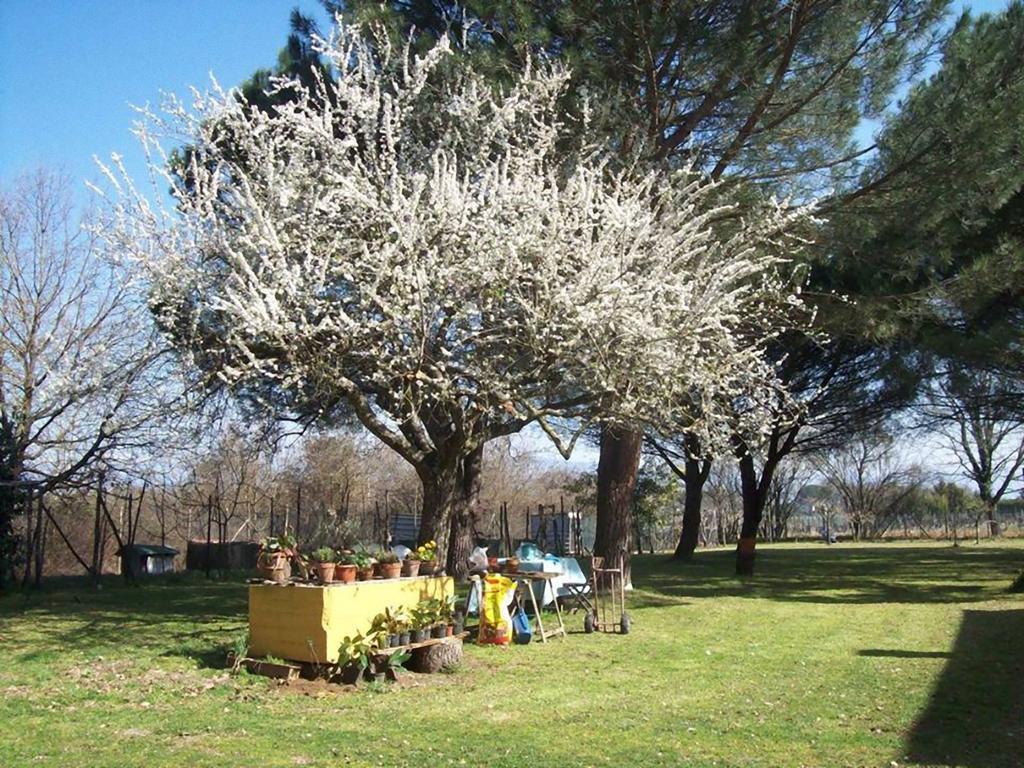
{"x":445,"y":263}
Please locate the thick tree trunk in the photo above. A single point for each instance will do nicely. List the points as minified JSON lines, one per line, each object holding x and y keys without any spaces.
{"x":440,"y":490}
{"x":994,"y":529}
{"x":697,"y":472}
{"x":616,"y":480}
{"x":754,"y":499}
{"x":464,"y":514}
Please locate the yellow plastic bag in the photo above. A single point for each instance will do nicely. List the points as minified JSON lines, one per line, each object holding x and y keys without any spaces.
{"x":495,"y":620}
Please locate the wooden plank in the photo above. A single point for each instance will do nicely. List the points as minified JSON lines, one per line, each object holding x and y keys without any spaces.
{"x":286,"y":672}
{"x":424,"y":644}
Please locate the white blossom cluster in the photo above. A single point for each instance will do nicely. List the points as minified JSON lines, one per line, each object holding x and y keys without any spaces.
{"x":408,"y":241}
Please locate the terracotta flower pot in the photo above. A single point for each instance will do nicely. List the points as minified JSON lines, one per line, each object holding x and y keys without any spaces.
{"x":428,"y":567}
{"x":449,"y":630}
{"x":410,"y":567}
{"x":345,"y":573}
{"x":279,"y":575}
{"x":325,"y":572}
{"x":390,"y":570}
{"x":274,"y":566}
{"x":365,"y":574}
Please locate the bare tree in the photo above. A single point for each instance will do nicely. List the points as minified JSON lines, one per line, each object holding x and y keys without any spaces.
{"x":783,"y":496}
{"x":974,"y":412}
{"x":872,"y":482}
{"x":77,"y":356}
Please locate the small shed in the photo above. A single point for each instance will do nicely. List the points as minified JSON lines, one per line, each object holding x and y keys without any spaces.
{"x":146,"y":559}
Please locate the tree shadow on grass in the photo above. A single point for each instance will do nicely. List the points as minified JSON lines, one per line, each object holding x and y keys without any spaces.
{"x":975,"y":717}
{"x":837,"y":574}
{"x":185,"y":614}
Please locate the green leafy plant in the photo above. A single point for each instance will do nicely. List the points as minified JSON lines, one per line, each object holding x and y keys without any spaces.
{"x":392,"y":621}
{"x":388,"y":558}
{"x":422,"y":615}
{"x":357,"y":649}
{"x":361,"y":559}
{"x":345,"y":558}
{"x":324,"y":555}
{"x":429,"y":612}
{"x":446,"y":609}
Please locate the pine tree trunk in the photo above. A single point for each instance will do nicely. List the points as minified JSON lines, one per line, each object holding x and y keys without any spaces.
{"x":616,"y":480}
{"x":696,"y":476}
{"x":753,"y":511}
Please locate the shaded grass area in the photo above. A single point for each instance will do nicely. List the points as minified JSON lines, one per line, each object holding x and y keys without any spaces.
{"x":831,"y":656}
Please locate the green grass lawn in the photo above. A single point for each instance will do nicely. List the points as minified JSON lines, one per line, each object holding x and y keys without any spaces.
{"x":832,"y":656}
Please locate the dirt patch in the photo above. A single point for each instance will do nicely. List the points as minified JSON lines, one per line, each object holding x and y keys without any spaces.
{"x":320,"y":688}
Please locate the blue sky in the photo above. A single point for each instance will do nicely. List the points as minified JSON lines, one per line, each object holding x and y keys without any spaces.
{"x":70,"y":69}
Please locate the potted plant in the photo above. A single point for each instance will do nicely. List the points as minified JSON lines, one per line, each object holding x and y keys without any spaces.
{"x":363,"y":562}
{"x":398,"y":624}
{"x":411,"y":564}
{"x":386,"y":667}
{"x":354,"y":655}
{"x":344,"y":568}
{"x":433,"y":615}
{"x":421,"y":619}
{"x":446,"y":611}
{"x":275,"y":552}
{"x":388,"y":565}
{"x":324,"y":559}
{"x":383,"y":627}
{"x":427,"y":556}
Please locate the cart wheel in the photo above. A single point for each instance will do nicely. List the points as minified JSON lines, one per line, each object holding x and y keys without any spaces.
{"x":588,"y":623}
{"x":625,"y":624}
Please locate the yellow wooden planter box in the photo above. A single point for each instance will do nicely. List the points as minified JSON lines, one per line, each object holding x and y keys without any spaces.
{"x":307,"y":623}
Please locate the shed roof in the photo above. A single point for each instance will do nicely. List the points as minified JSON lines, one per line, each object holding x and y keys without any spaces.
{"x":146,"y":550}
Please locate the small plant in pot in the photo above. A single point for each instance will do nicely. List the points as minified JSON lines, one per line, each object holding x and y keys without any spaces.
{"x":388,"y":666}
{"x":388,"y":565}
{"x":447,"y":613}
{"x":275,"y":552}
{"x":354,"y":655}
{"x":433,"y":610}
{"x":324,"y":559}
{"x":411,"y":564}
{"x":363,"y":562}
{"x":397,"y":622}
{"x":385,"y":627}
{"x":422,"y":618}
{"x":345,"y":568}
{"x":427,"y":556}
